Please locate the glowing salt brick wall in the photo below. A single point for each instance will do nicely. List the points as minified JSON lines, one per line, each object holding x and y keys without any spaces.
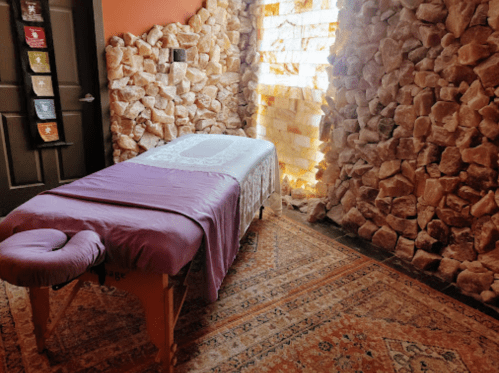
{"x":293,"y":41}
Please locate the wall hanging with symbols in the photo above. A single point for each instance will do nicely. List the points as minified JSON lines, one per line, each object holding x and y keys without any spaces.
{"x":31,"y":21}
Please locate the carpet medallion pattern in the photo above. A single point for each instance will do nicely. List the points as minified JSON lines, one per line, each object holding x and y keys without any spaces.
{"x":293,"y":301}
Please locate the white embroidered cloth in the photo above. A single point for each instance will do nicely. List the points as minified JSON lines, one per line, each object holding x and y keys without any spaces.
{"x":253,"y":163}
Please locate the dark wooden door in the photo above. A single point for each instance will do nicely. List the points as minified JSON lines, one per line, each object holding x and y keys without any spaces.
{"x":25,"y":171}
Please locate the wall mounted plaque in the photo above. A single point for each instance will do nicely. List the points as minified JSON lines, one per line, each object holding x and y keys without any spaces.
{"x":42,"y":85}
{"x":39,"y":61}
{"x":45,"y":109}
{"x":48,"y":131}
{"x":31,"y":10}
{"x":35,"y":36}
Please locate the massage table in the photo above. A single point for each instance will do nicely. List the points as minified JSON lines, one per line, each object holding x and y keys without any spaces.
{"x":138,"y":224}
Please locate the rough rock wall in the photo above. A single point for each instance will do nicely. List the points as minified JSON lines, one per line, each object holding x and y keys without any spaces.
{"x":154,"y":100}
{"x":411,"y":134}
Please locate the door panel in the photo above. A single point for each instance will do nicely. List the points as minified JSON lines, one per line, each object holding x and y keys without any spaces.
{"x":25,"y":171}
{"x":64,"y":45}
{"x":70,"y":158}
{"x":8,"y":72}
{"x":24,"y":163}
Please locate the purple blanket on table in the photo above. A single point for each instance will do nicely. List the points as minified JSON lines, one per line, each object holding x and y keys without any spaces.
{"x":208,"y":198}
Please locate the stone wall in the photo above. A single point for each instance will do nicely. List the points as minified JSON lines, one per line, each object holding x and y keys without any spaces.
{"x":410,"y":134}
{"x":293,"y":40}
{"x":155,"y":100}
{"x":289,"y":117}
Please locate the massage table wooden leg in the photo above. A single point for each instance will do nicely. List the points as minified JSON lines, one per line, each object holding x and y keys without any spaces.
{"x":155,"y":292}
{"x":39,"y":298}
{"x":166,"y":354}
{"x":156,"y":295}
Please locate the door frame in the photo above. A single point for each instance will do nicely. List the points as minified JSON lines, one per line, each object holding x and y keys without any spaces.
{"x":99,"y":151}
{"x":100,"y":58}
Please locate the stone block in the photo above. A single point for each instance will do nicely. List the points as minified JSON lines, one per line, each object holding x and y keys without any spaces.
{"x":142,"y":78}
{"x":385,"y":238}
{"x":448,"y":269}
{"x":438,"y":230}
{"x":449,"y":93}
{"x":460,"y":251}
{"x":456,"y":73}
{"x":422,"y":126}
{"x":490,"y":260}
{"x":430,"y":35}
{"x":487,"y":205}
{"x":450,"y":163}
{"x":490,"y":111}
{"x":144,"y":48}
{"x":485,"y":155}
{"x":396,"y":186}
{"x":403,"y":207}
{"x":367,"y":230}
{"x":433,"y":13}
{"x":486,"y":234}
{"x":178,"y":71}
{"x":442,"y":137}
{"x":449,"y":183}
{"x":127,"y":143}
{"x":433,"y":192}
{"x":389,"y":168}
{"x":442,"y":111}
{"x":387,"y":149}
{"x":336,"y":214}
{"x":487,"y":71}
{"x":131,"y":93}
{"x":148,"y":141}
{"x":406,"y":227}
{"x":425,"y":260}
{"x":480,"y":177}
{"x":408,"y":168}
{"x":405,"y":249}
{"x":493,"y":15}
{"x":391,"y":54}
{"x":372,"y":213}
{"x":475,"y":96}
{"x":114,"y":55}
{"x":454,"y":218}
{"x":459,"y":17}
{"x":468,"y":117}
{"x":406,"y":148}
{"x":154,"y":34}
{"x":472,"y":282}
{"x":469,"y":54}
{"x":424,"y":241}
{"x":426,"y":79}
{"x":316,"y":210}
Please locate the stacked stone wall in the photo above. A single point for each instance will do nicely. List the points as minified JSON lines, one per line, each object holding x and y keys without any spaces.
{"x":293,"y":40}
{"x":410,"y":134}
{"x":154,"y":99}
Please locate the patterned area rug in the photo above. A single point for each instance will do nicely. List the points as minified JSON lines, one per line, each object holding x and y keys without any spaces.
{"x":293,"y":301}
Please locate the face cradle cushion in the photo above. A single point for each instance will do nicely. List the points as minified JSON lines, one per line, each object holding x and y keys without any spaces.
{"x":45,"y":257}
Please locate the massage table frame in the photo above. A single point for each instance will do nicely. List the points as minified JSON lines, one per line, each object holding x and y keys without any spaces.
{"x":161,"y":300}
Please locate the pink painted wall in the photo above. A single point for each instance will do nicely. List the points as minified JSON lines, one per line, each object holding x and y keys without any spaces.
{"x":138,"y":16}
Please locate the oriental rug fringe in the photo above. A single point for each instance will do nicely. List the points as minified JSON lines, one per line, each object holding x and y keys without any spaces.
{"x":293,"y":301}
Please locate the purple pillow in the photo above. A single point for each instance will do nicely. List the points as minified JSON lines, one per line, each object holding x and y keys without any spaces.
{"x":45,"y":257}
